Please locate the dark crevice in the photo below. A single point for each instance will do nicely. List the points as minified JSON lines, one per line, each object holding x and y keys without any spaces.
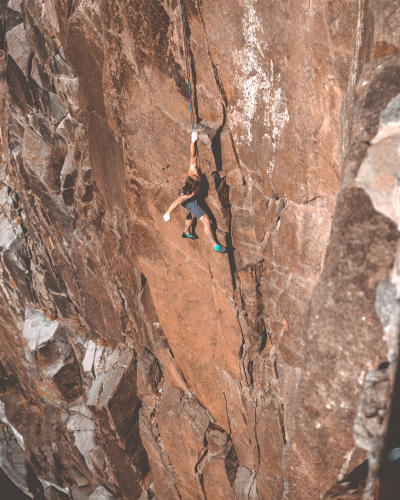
{"x":124,"y":407}
{"x":202,"y":454}
{"x":70,"y":8}
{"x":192,"y":69}
{"x":179,"y":370}
{"x":231,"y":257}
{"x":390,"y":461}
{"x":352,"y":484}
{"x":264,"y":337}
{"x":13,"y":19}
{"x":231,"y":465}
{"x":282,"y":423}
{"x":242,"y":349}
{"x":307,"y":202}
{"x":255,"y":436}
{"x":30,"y":61}
{"x":281,"y":206}
{"x":222,"y":189}
{"x":250,"y":373}
{"x":276,"y":369}
{"x":203,"y":490}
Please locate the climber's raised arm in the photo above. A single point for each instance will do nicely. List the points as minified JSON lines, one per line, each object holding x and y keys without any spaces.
{"x":193,"y":162}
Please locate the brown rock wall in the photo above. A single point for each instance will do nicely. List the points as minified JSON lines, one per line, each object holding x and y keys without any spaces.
{"x":359,"y":280}
{"x":161,"y":367}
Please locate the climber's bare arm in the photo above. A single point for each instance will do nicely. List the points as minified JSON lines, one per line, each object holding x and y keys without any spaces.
{"x":193,"y":168}
{"x":193,"y":154}
{"x":179,"y":201}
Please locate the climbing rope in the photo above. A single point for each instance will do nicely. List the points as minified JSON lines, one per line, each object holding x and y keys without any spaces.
{"x":187,"y":66}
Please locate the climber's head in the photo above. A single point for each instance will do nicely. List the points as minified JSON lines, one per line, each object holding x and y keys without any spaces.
{"x":189,"y":185}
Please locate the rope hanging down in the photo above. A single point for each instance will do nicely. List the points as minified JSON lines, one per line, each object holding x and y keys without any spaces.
{"x":187,"y":66}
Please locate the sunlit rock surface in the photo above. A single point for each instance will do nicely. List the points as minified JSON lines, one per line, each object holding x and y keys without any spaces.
{"x":136,"y":364}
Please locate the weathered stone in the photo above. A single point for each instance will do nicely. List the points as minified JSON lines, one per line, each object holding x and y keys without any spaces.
{"x":356,"y":266}
{"x":88,"y":360}
{"x":38,"y":329}
{"x":245,"y":487}
{"x":101,"y":493}
{"x":18,"y":48}
{"x":12,"y":459}
{"x":7,"y":234}
{"x":14,"y":5}
{"x":379,"y":172}
{"x":156,"y":366}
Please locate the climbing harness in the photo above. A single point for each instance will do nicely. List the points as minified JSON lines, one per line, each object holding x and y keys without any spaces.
{"x":187,"y":66}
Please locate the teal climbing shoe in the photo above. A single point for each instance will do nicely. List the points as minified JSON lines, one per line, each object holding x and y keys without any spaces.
{"x":220,"y":248}
{"x":191,"y":236}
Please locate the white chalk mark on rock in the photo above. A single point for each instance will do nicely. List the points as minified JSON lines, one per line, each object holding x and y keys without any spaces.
{"x":257,"y":82}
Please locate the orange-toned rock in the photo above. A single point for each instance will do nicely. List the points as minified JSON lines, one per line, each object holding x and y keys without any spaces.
{"x":138,"y":364}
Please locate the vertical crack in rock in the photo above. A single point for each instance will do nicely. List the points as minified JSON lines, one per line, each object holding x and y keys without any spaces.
{"x":221,"y":186}
{"x":192,"y":67}
{"x":361,"y":40}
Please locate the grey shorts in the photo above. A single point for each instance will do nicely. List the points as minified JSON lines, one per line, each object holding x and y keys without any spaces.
{"x":194,"y":208}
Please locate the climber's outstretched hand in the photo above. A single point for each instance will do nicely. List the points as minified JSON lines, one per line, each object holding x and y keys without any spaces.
{"x":166,"y":217}
{"x":194,"y":136}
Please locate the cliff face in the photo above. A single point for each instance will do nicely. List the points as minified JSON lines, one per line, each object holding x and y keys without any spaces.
{"x":135,"y":363}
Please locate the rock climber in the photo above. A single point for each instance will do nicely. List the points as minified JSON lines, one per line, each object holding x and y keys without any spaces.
{"x":190,"y":197}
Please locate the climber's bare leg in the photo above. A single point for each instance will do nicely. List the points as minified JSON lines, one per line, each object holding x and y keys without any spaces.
{"x":189,"y":225}
{"x":205,"y":219}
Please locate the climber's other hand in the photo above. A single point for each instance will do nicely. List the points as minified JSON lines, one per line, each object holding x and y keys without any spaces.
{"x":166,"y":217}
{"x":194,"y":136}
